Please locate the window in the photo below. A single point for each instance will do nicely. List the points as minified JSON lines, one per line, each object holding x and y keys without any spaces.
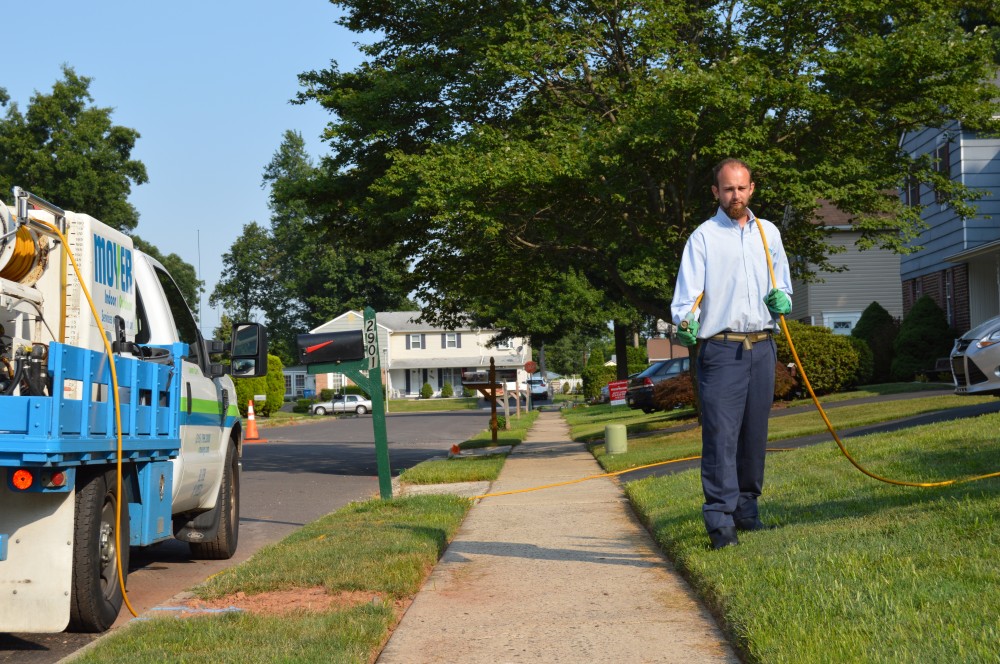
{"x":942,"y":164}
{"x":187,"y":329}
{"x":288,"y":384}
{"x":450,"y":340}
{"x":911,"y":191}
{"x":414,"y":341}
{"x":300,"y":384}
{"x":506,"y":344}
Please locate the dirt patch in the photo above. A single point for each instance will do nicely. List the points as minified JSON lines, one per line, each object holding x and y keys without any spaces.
{"x":281,"y":602}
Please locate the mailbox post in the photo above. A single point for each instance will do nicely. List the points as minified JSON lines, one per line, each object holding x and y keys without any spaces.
{"x":356,"y":355}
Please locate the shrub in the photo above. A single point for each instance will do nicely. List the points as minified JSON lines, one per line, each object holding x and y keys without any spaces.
{"x":468,"y":392}
{"x":302,"y":405}
{"x":272,"y":385}
{"x":923,"y":337}
{"x":866,"y":361}
{"x":566,"y":387}
{"x":596,"y":377}
{"x":673,"y":392}
{"x":879,"y":329}
{"x":447,"y":390}
{"x":785,"y":384}
{"x":829,"y":360}
{"x":326,"y":394}
{"x":426,"y":391}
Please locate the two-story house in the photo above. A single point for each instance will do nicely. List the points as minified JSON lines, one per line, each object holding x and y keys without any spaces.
{"x":838,"y":299}
{"x":417,"y":353}
{"x":958,"y":264}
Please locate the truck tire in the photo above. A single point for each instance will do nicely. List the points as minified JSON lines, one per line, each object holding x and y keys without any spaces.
{"x":96,"y":594}
{"x":223,"y":546}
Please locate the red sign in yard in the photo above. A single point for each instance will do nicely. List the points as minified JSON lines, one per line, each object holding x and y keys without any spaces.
{"x":616,"y":390}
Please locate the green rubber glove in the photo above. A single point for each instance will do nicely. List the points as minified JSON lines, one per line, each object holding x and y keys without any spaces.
{"x":777,"y":302}
{"x":687,"y":331}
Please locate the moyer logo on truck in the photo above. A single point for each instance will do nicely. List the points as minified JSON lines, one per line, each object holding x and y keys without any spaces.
{"x":112,"y":264}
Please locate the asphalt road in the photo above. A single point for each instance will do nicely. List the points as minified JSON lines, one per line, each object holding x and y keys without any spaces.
{"x":302,"y":473}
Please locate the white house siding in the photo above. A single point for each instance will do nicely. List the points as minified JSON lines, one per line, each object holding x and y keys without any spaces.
{"x":871,"y":276}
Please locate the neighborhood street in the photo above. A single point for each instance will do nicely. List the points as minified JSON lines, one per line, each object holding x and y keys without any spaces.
{"x":300,"y":474}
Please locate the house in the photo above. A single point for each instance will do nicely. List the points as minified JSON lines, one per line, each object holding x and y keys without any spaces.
{"x":958,"y":264}
{"x":416,"y":353}
{"x":299,"y":382}
{"x":839,"y":299}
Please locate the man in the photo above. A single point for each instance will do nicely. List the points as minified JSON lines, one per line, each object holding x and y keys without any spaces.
{"x":725,"y":265}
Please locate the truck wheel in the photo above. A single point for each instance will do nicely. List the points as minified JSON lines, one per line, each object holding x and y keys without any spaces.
{"x":224,"y":545}
{"x":360,"y":410}
{"x":96,"y":594}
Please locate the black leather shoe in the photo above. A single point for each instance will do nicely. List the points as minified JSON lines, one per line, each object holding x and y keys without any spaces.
{"x":747,"y":525}
{"x":723,"y":537}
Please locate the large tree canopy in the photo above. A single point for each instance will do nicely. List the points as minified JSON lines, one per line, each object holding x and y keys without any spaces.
{"x":67,"y":151}
{"x":574,"y":140}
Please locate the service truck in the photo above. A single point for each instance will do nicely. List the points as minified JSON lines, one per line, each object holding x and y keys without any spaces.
{"x":117,"y":429}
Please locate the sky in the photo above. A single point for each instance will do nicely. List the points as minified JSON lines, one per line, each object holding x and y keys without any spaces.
{"x":207,"y":84}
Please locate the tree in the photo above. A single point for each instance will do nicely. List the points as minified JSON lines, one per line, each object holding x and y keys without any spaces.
{"x":544,"y":139}
{"x":69,"y":152}
{"x":247,"y":280}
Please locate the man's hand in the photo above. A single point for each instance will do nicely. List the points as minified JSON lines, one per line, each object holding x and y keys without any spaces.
{"x":687,"y":331}
{"x":777,"y":302}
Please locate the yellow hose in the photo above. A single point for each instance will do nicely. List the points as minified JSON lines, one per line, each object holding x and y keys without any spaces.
{"x":829,"y":426}
{"x":23,"y":258}
{"x":118,"y":412}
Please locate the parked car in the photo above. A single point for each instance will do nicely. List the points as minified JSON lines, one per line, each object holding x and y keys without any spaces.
{"x":640,"y":387}
{"x":975,"y":360}
{"x":540,"y":388}
{"x":342,"y":403}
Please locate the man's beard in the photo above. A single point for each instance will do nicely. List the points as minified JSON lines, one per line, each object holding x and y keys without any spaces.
{"x":736,"y":210}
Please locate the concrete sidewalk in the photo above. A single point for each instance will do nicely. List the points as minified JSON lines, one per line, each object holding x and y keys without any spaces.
{"x":561,"y":575}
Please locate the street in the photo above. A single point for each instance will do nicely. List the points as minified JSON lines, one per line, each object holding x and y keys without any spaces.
{"x":302,"y":473}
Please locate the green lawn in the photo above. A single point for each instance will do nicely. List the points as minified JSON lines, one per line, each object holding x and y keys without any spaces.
{"x":379,"y":550}
{"x":858,"y":571}
{"x":433,"y":405}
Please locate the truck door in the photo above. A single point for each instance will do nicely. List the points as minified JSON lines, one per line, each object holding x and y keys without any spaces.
{"x":199,"y":467}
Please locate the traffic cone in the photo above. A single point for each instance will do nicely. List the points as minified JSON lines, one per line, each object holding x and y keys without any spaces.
{"x":252,"y":436}
{"x":455,"y":451}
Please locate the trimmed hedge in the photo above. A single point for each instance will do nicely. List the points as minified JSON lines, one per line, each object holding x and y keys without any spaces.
{"x":878,"y":329}
{"x":831,"y":362}
{"x":923,"y":337}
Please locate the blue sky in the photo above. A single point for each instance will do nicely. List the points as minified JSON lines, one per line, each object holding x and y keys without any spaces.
{"x":206,"y":84}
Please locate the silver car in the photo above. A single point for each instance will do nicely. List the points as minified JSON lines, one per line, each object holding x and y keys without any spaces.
{"x":975,"y":360}
{"x":342,"y":403}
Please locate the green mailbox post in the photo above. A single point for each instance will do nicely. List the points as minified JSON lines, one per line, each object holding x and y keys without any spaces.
{"x":356,"y":355}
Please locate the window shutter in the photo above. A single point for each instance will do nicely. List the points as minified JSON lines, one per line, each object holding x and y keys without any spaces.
{"x":458,"y":339}
{"x":423,"y":345}
{"x":444,"y":342}
{"x":407,"y":342}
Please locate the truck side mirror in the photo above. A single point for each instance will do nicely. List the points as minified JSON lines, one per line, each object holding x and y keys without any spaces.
{"x":249,"y":351}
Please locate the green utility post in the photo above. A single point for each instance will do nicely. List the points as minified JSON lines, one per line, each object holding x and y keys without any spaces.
{"x":367,"y":374}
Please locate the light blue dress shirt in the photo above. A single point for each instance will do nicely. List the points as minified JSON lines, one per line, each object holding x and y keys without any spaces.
{"x":727,"y":264}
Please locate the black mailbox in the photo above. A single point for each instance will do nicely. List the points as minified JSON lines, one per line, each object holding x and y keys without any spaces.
{"x":331,"y":347}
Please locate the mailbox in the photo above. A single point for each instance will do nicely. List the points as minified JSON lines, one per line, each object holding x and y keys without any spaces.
{"x":331,"y":347}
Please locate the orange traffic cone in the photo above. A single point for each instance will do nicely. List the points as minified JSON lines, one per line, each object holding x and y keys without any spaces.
{"x":252,"y":436}
{"x":455,"y":451}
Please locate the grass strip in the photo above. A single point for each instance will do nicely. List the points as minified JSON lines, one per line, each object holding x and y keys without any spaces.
{"x":386,"y":548}
{"x":471,"y":469}
{"x":434,"y":405}
{"x":676,"y":445}
{"x":859,"y":571}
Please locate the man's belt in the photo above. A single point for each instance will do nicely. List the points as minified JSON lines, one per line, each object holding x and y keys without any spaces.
{"x":746,"y":338}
